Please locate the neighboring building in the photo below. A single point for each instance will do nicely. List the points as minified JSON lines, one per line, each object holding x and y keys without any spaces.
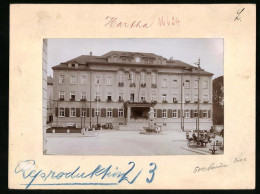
{"x":50,"y":103}
{"x":44,"y":91}
{"x":121,"y":87}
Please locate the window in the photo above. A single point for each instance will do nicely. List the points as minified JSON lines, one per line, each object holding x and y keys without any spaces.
{"x":120,"y":113}
{"x":73,"y":65}
{"x":195,"y":113}
{"x":164,"y":113}
{"x":121,"y":77}
{"x":205,"y":98}
{"x":164,"y":97}
{"x":109,"y":96}
{"x":175,"y":83}
{"x":143,"y":98}
{"x":83,"y":95}
{"x":109,"y":112}
{"x":61,"y":79}
{"x":132,"y":77}
{"x":132,"y":97}
{"x":205,"y":84}
{"x":62,"y":95}
{"x":72,"y":79}
{"x":61,"y":112}
{"x":196,"y":83}
{"x":142,"y":77}
{"x":174,"y":98}
{"x":174,"y":114}
{"x":83,"y":80}
{"x":120,"y":97}
{"x":109,"y":81}
{"x":97,"y":80}
{"x":83,"y":112}
{"x":97,"y":111}
{"x":164,"y":83}
{"x":115,"y":59}
{"x":187,"y":84}
{"x":153,"y":78}
{"x":155,"y":113}
{"x":72,"y":95}
{"x":187,"y":97}
{"x":153,"y":98}
{"x":187,"y":114}
{"x":97,"y":95}
{"x":72,"y":112}
{"x":205,"y":114}
{"x":196,"y":98}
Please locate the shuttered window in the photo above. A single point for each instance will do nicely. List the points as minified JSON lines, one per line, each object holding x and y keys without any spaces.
{"x":67,"y":112}
{"x":191,"y":113}
{"x":103,"y":112}
{"x":77,"y":112}
{"x":88,"y":112}
{"x":115,"y":112}
{"x":179,"y":113}
{"x":159,"y":113}
{"x":209,"y":113}
{"x":169,"y":113}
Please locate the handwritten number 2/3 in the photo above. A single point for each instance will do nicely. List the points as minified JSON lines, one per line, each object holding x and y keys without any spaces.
{"x":151,"y":172}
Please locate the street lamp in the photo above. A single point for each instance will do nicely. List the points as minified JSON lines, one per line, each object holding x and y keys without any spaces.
{"x":198,"y":108}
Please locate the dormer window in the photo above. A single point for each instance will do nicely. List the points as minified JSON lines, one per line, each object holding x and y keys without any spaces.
{"x":73,"y":65}
{"x":115,"y":59}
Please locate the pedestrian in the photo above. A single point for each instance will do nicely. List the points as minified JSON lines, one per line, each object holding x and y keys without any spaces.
{"x":83,"y":131}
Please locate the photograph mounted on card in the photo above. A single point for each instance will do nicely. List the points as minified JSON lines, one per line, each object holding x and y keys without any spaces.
{"x":132,"y":96}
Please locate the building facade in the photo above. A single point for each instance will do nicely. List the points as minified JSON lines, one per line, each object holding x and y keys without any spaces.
{"x":50,"y":103}
{"x":122,"y":87}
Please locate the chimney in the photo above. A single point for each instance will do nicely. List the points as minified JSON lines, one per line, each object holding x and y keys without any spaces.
{"x":90,"y":53}
{"x":171,"y":58}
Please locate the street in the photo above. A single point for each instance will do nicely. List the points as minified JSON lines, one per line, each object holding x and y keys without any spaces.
{"x":113,"y":142}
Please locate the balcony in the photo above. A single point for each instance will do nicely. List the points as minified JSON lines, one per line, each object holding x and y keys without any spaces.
{"x":187,"y":101}
{"x":132,"y":84}
{"x":83,"y":99}
{"x":154,"y":86}
{"x":120,"y":84}
{"x":196,"y":101}
{"x":61,"y":98}
{"x":120,"y":100}
{"x":72,"y":98}
{"x":205,"y":101}
{"x":164,"y":101}
{"x":175,"y":101}
{"x":143,"y":85}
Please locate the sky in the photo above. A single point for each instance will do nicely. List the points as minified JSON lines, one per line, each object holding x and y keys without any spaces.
{"x":210,"y":51}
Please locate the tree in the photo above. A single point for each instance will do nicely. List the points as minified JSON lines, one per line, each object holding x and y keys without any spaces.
{"x":218,"y":101}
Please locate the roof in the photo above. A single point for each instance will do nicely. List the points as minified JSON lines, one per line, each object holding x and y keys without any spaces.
{"x":49,"y":80}
{"x":91,"y":59}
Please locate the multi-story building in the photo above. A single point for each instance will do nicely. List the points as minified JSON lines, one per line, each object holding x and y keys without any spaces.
{"x":121,"y":87}
{"x":50,"y":103}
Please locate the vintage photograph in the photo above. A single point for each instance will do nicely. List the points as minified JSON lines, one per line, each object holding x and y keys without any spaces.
{"x":133,"y":97}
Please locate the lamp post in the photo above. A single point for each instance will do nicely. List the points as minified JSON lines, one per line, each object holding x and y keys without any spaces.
{"x":198,"y":108}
